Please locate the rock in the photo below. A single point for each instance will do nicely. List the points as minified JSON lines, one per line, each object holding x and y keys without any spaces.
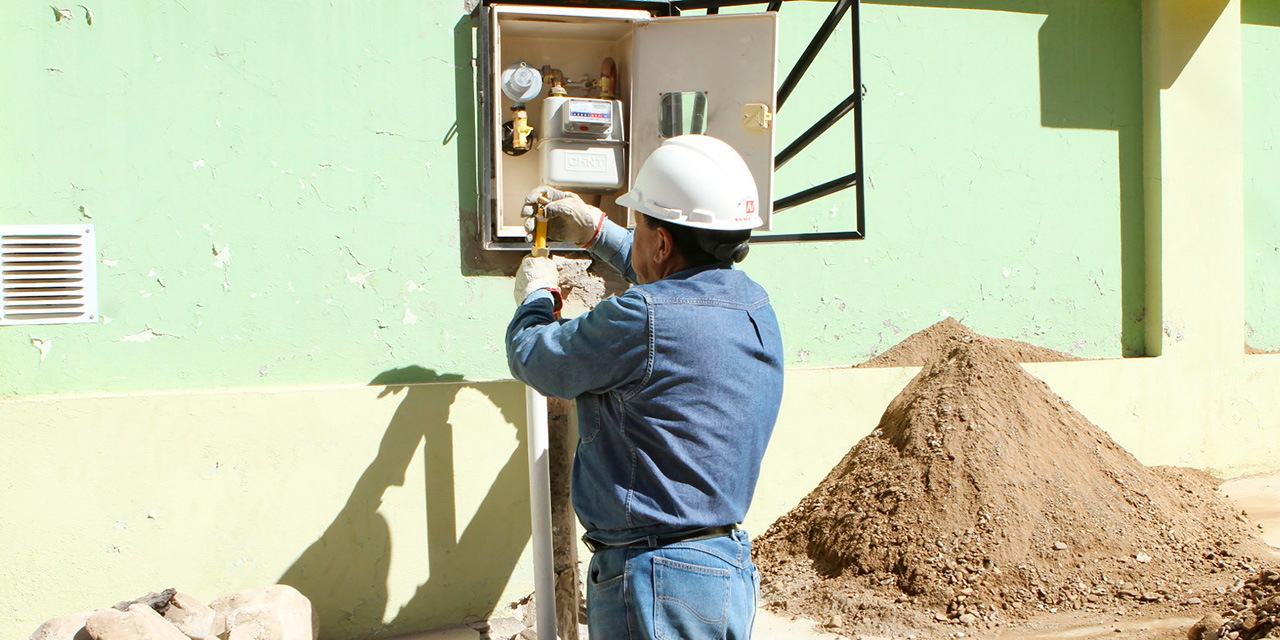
{"x":192,"y":617}
{"x":159,"y":602}
{"x":1059,"y":546}
{"x":1142,"y":557}
{"x":140,"y":622}
{"x":1194,"y":601}
{"x":64,"y":628}
{"x":1206,"y":629}
{"x":503,"y":628}
{"x":252,"y":624}
{"x":968,"y":618}
{"x":1249,"y":620}
{"x":276,"y":612}
{"x":837,"y":621}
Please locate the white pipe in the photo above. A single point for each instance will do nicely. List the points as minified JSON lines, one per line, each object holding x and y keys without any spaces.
{"x":544,"y":575}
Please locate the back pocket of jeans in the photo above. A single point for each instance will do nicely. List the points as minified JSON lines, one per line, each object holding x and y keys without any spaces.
{"x":691,"y":602}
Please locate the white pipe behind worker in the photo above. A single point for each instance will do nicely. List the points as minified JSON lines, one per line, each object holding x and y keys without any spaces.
{"x":544,"y":576}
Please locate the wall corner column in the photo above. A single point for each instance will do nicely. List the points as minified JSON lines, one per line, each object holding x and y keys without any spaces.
{"x":1193,"y":168}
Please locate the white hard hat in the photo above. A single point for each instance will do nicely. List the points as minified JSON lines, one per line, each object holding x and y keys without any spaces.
{"x":696,"y":181}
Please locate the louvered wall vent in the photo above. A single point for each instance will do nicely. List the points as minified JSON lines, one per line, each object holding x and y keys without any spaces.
{"x":50,"y":274}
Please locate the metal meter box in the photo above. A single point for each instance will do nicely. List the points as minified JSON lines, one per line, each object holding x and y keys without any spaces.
{"x":617,"y":80}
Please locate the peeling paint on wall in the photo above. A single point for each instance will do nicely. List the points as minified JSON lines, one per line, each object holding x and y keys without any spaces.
{"x":45,"y":346}
{"x":146,"y":335}
{"x":359,"y":279}
{"x":221,"y":257}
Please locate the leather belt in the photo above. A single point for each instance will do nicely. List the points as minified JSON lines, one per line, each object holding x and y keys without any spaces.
{"x":705,"y":533}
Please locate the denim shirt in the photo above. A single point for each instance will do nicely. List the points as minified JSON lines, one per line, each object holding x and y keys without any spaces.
{"x":677,"y":383}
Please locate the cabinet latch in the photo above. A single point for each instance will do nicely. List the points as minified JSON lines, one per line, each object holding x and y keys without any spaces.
{"x":756,"y":116}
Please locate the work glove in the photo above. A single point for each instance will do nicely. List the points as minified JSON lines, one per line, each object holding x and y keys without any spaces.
{"x":569,"y":219}
{"x":534,"y":274}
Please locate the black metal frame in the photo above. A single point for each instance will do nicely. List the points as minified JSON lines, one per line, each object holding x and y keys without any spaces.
{"x":852,"y":103}
{"x":654,"y":7}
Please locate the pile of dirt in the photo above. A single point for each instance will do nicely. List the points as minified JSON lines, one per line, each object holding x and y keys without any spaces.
{"x":1253,"y":611}
{"x":981,"y":496}
{"x":925,"y":346}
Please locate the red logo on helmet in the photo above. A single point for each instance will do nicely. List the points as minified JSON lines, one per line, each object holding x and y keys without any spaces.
{"x":751,"y":206}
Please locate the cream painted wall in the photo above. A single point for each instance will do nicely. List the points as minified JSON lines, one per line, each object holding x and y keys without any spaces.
{"x":369,"y":499}
{"x":400,"y":509}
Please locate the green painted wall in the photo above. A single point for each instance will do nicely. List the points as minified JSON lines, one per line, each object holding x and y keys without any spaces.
{"x":277,"y":188}
{"x":1260,"y":36}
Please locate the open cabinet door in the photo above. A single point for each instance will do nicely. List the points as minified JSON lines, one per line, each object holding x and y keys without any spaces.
{"x":732,"y":58}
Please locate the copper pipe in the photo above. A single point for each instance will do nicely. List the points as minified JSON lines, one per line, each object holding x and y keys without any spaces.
{"x":608,"y":79}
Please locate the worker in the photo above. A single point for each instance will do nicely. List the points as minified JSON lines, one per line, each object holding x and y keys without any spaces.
{"x":678,"y":383}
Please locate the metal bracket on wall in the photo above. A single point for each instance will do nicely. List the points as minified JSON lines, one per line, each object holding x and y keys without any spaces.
{"x":853,"y":103}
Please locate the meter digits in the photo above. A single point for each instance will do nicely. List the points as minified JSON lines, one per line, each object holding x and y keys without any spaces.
{"x":587,"y":117}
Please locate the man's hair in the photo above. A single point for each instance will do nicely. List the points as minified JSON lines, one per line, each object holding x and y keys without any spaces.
{"x":701,"y":247}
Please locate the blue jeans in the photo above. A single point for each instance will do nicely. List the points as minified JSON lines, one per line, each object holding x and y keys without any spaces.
{"x":703,"y":590}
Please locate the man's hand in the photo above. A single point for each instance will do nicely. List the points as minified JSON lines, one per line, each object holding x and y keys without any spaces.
{"x":568,"y":217}
{"x":534,"y":274}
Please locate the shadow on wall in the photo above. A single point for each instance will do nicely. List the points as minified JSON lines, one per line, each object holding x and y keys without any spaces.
{"x":1264,"y":13}
{"x":1090,"y":78}
{"x":1187,"y":24}
{"x":1196,"y":17}
{"x":345,"y":572}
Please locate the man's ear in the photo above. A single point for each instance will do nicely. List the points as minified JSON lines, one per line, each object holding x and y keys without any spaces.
{"x":664,"y":246}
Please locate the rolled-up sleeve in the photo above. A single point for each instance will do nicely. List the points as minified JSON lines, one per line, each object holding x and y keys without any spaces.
{"x":605,"y":349}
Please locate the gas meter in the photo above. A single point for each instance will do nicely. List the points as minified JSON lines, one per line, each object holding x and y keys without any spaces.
{"x":583,"y":148}
{"x":591,"y":92}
